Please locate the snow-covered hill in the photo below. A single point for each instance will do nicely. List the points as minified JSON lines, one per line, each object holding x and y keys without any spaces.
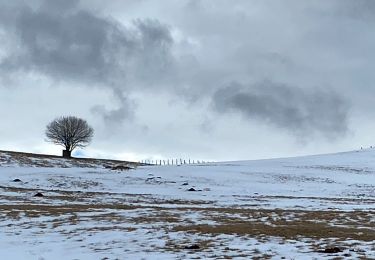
{"x":292,"y":207}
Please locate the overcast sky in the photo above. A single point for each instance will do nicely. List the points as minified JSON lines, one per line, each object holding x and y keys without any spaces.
{"x":202,"y":79}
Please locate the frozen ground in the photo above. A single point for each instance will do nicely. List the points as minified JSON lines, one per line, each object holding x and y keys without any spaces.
{"x":293,"y":208}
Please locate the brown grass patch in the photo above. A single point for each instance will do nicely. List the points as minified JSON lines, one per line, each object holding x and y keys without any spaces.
{"x":291,"y":229}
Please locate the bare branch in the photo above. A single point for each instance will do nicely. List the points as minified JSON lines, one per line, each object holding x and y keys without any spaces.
{"x":70,"y":132}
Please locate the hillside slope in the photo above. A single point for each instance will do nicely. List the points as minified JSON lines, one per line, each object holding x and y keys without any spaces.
{"x":14,"y":159}
{"x":313,"y":207}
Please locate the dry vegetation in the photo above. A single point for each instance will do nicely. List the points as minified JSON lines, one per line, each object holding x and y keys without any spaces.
{"x":319,"y":228}
{"x":43,"y":160}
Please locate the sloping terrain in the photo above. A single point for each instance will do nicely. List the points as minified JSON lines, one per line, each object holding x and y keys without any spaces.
{"x":316,"y":207}
{"x":18,"y":159}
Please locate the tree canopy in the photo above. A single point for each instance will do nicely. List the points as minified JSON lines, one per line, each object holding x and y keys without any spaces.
{"x":70,"y":132}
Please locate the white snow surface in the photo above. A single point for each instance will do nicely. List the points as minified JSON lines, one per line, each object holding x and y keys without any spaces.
{"x":117,"y":214}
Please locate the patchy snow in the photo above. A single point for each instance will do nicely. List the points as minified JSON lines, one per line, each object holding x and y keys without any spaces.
{"x":90,"y":212}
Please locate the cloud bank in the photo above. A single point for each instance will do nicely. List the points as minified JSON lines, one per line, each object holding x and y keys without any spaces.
{"x":301,"y":112}
{"x":67,"y":43}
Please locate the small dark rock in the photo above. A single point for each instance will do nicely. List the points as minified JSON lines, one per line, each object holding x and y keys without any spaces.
{"x":195,"y":247}
{"x":331,"y":250}
{"x":192,"y":189}
{"x":16,"y":180}
{"x":39,"y":195}
{"x":185,"y":184}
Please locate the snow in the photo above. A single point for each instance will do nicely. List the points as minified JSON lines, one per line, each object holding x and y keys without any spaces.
{"x":92,"y":212}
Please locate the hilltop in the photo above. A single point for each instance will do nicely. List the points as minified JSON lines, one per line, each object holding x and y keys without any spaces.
{"x":21,"y":159}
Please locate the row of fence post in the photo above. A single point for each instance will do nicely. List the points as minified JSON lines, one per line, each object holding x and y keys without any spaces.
{"x":172,"y":162}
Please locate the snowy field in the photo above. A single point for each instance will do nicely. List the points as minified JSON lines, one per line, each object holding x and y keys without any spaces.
{"x":316,"y":207}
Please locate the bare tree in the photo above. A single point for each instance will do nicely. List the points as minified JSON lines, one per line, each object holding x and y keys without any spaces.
{"x":70,"y":132}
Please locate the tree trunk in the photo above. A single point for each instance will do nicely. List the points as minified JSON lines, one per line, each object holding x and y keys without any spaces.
{"x":67,"y":154}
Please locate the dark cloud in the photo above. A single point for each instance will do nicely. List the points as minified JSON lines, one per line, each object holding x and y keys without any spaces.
{"x":75,"y":44}
{"x":302,"y":112}
{"x":116,"y":117}
{"x":359,"y":9}
{"x":62,"y":41}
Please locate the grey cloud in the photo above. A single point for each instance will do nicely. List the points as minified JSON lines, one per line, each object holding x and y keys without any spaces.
{"x":359,"y":9}
{"x":302,"y":112}
{"x":78,"y":45}
{"x":62,"y":41}
{"x":58,"y":6}
{"x":117,"y":116}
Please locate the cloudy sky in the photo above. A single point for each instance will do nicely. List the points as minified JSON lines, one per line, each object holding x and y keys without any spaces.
{"x":203,"y":79}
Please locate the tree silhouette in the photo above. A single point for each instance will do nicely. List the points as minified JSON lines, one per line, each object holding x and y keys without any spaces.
{"x":70,"y":132}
